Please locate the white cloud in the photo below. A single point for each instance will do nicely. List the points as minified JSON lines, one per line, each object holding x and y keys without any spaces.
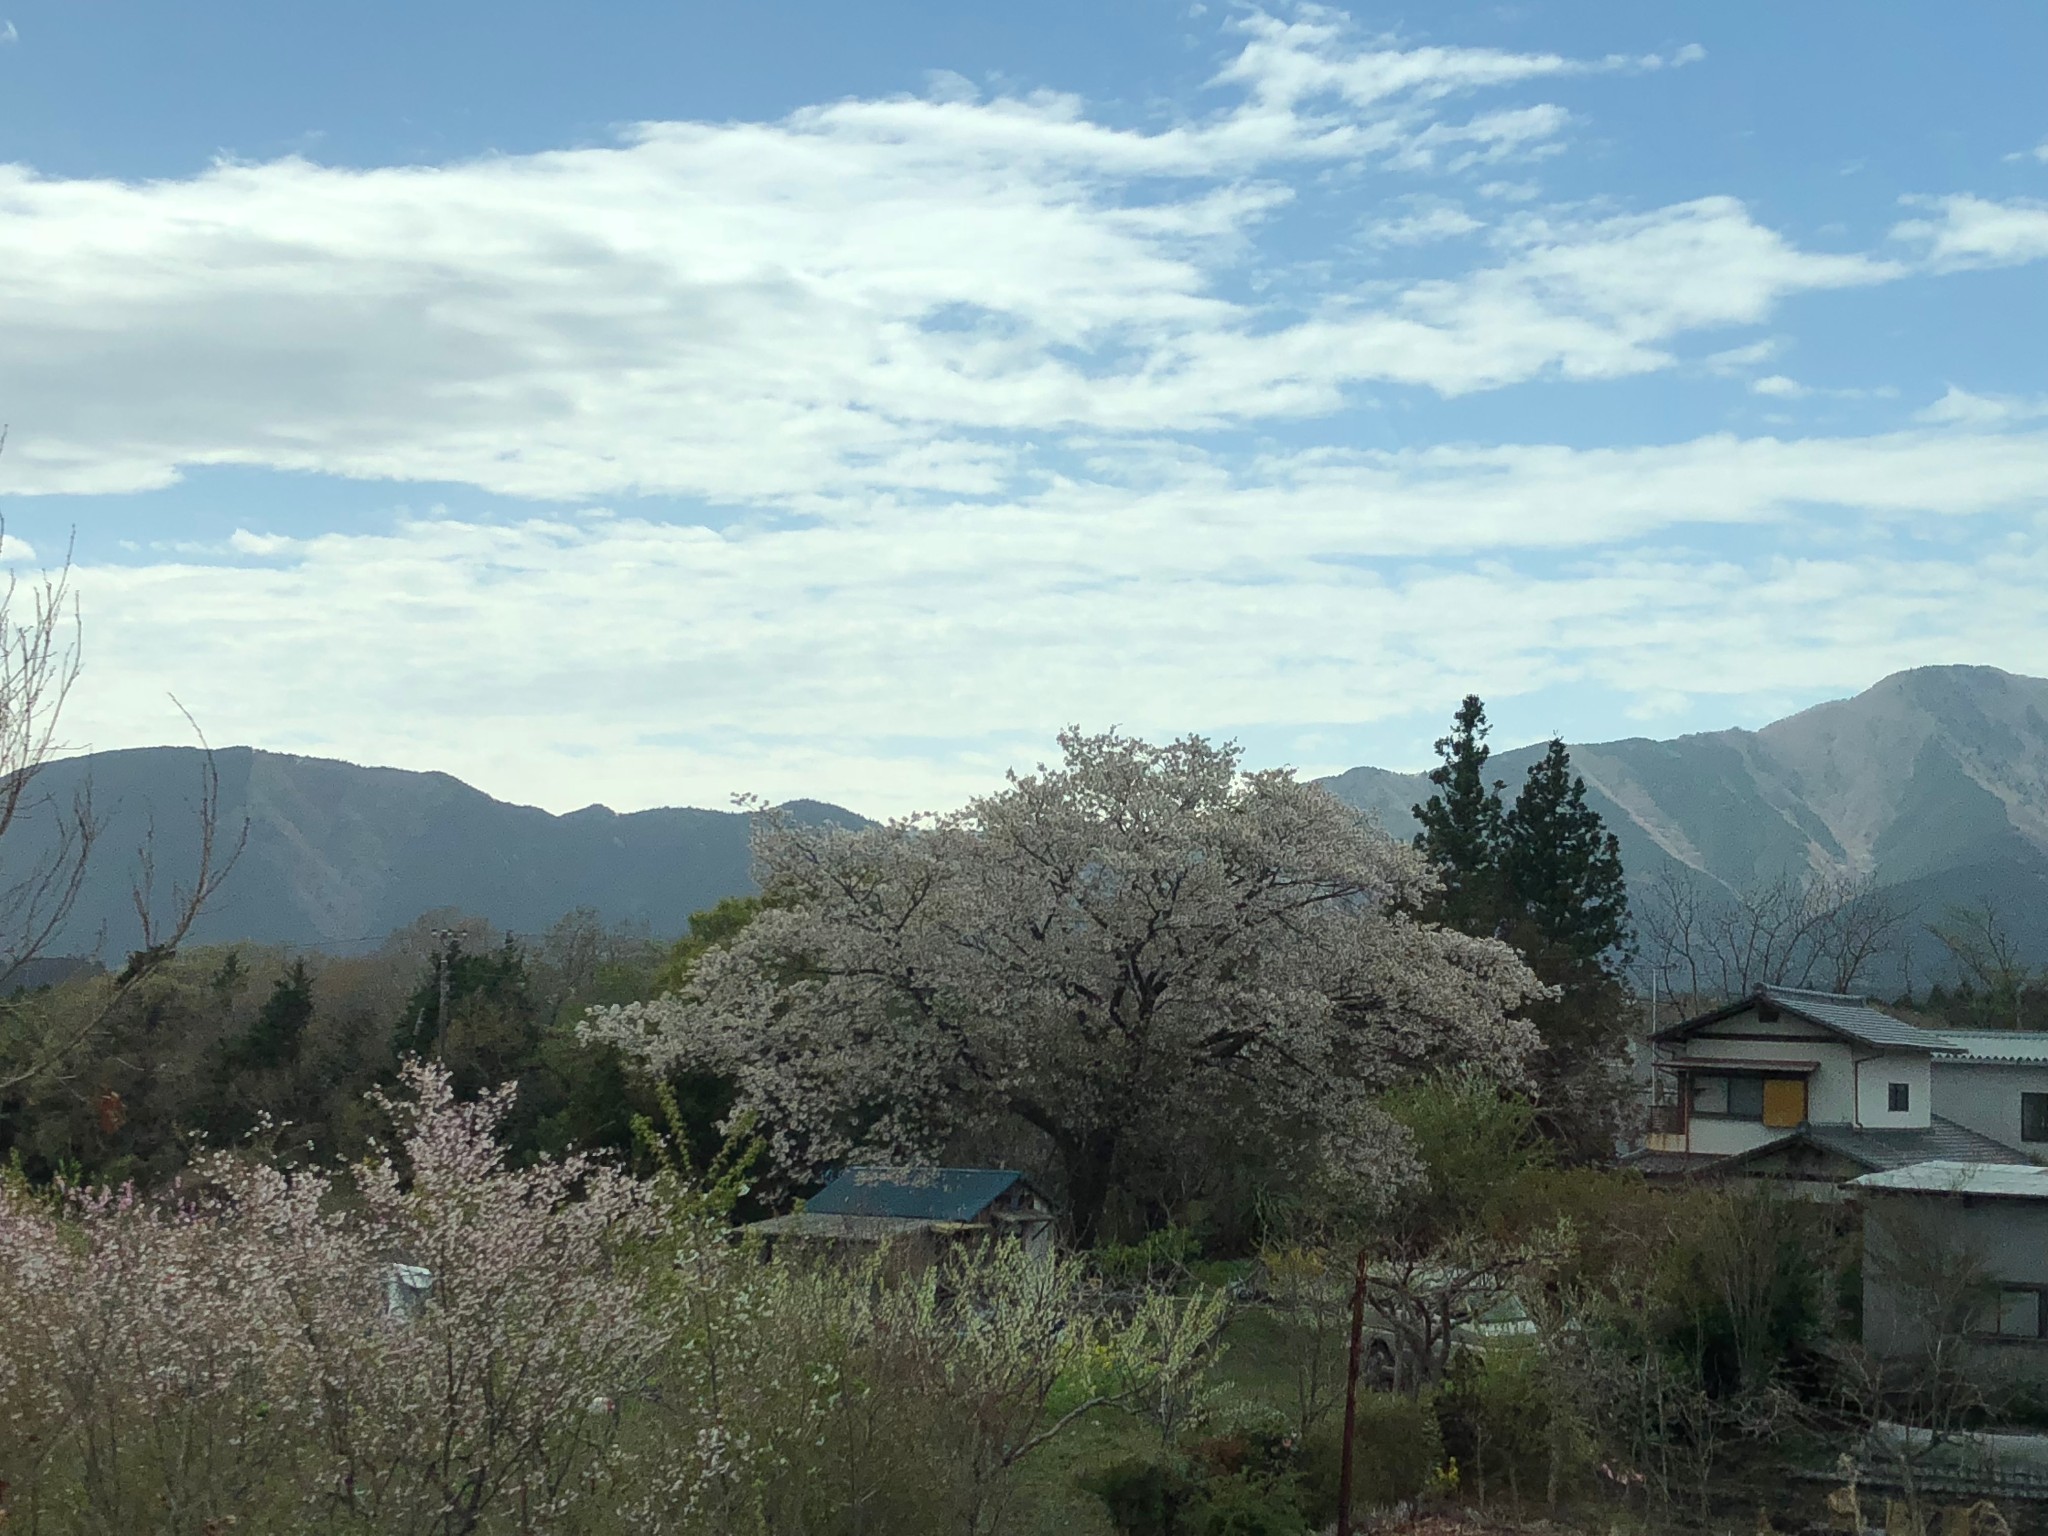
{"x":1423,"y":226}
{"x":1779,"y":387}
{"x":1740,"y":359}
{"x":579,"y":657}
{"x":1973,"y":231}
{"x":1962,"y":408}
{"x":887,"y":292}
{"x":8,"y":34}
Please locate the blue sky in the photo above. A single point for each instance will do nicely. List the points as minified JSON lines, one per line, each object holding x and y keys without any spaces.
{"x":647,"y":403}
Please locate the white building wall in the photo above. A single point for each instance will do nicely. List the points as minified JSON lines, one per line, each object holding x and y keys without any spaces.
{"x":1850,"y":1084}
{"x":1873,"y":1081}
{"x":1828,"y":1096}
{"x":1830,"y":1091}
{"x":1985,"y":1096}
{"x":1723,"y":1138}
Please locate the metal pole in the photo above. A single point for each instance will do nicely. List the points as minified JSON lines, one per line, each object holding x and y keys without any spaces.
{"x":447,"y":936}
{"x":1351,"y":1398}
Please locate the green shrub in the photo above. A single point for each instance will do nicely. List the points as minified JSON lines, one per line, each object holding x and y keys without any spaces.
{"x":1232,"y":1485}
{"x":1396,"y":1450}
{"x":1244,"y":1504}
{"x":1160,"y":1255}
{"x":1144,"y":1498}
{"x":1503,"y":1423}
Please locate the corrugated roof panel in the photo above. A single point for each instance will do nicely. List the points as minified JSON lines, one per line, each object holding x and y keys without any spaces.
{"x":2000,"y":1045}
{"x":2017,"y":1181}
{"x":921,"y":1194}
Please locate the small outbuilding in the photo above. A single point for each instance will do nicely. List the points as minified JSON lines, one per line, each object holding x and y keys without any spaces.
{"x":931,"y":1207}
{"x":1957,"y":1253}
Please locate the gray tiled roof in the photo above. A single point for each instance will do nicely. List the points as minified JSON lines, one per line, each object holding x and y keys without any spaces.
{"x":1656,"y":1165}
{"x":1842,"y":1013}
{"x":1854,"y":1017}
{"x":1942,"y":1141}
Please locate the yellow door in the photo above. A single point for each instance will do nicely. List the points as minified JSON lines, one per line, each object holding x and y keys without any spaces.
{"x":1784,"y":1102}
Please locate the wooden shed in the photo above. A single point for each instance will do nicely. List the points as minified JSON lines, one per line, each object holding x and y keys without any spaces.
{"x":933,"y":1206}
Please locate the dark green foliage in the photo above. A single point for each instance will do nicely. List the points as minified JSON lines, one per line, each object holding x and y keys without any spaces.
{"x":1396,"y":1450}
{"x":217,"y":1041}
{"x":1232,"y":1485}
{"x":1498,"y":1416}
{"x":1564,"y":866}
{"x":1462,"y":832}
{"x":1748,"y":1287}
{"x":475,"y":983}
{"x":230,"y":980}
{"x":1145,"y":1498}
{"x":715,"y":926}
{"x":1545,"y":874}
{"x":272,"y":1041}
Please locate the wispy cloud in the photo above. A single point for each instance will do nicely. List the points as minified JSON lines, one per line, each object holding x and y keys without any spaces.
{"x":1967,"y":231}
{"x":960,"y":394}
{"x":1959,"y":407}
{"x":802,"y":658}
{"x":890,"y":306}
{"x":8,"y":33}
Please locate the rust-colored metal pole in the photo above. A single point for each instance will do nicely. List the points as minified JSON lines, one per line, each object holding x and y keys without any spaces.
{"x":1351,"y":1398}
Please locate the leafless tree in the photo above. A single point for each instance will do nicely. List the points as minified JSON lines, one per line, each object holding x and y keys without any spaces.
{"x":1704,"y":942}
{"x":1921,"y":1380}
{"x":39,"y":886}
{"x":1989,"y":961}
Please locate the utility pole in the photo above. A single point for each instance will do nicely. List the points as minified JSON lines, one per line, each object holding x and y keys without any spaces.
{"x":449,"y":938}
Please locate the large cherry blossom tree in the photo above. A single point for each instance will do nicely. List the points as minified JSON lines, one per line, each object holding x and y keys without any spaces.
{"x":1102,"y":955}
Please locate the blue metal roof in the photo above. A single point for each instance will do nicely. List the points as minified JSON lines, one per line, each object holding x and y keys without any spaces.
{"x":921,"y":1194}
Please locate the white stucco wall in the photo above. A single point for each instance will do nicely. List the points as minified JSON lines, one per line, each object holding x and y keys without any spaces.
{"x":1873,"y":1079}
{"x":1985,"y":1096}
{"x":1849,"y":1085}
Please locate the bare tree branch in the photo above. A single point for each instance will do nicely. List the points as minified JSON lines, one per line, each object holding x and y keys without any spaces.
{"x":1704,"y":944}
{"x":39,"y":662}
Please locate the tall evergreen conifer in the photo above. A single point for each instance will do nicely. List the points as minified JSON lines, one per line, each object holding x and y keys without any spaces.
{"x":1546,"y":876}
{"x":1564,"y":866}
{"x":1463,"y":831}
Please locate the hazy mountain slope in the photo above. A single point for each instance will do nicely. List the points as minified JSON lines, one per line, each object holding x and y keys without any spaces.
{"x":338,"y":854}
{"x":1934,"y":781}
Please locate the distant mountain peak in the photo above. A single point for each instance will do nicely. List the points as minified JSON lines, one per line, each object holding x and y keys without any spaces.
{"x":340,"y":852}
{"x":1933,"y":780}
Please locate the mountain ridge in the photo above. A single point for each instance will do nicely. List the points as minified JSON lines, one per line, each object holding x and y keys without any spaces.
{"x":342,"y":853}
{"x":1932,"y":782}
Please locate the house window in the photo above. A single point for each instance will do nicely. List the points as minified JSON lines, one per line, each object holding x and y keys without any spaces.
{"x":2019,"y":1314}
{"x":1746,"y":1098}
{"x":1899,"y":1097}
{"x":2034,"y":1117}
{"x":1733,"y":1098}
